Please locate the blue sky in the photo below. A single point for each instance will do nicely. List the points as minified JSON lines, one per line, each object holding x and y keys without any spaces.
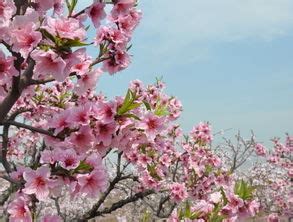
{"x":228,"y":61}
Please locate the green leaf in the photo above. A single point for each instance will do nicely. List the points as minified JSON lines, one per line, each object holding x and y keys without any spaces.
{"x":127,"y":103}
{"x":48,"y":35}
{"x":83,"y":166}
{"x":74,"y":43}
{"x":224,"y":196}
{"x":153,"y":172}
{"x":161,"y":111}
{"x":130,"y":115}
{"x":133,"y":106}
{"x":180,"y":214}
{"x":147,"y":105}
{"x":244,"y":190}
{"x":194,"y":216}
{"x":129,"y":47}
{"x":216,"y":218}
{"x":208,"y":169}
{"x":71,"y":6}
{"x":187,"y":210}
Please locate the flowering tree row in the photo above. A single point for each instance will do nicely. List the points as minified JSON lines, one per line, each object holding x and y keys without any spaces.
{"x":57,"y":132}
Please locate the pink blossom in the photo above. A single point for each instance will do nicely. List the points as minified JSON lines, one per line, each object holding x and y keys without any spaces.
{"x":104,"y":132}
{"x":253,"y":207}
{"x":122,"y":7}
{"x":201,"y":133}
{"x":18,"y":174}
{"x":25,"y":40}
{"x":96,"y":13}
{"x":82,"y":139}
{"x":234,"y":200}
{"x":95,"y":161}
{"x":260,"y":149}
{"x":152,"y":124}
{"x":87,"y":81}
{"x":216,"y":197}
{"x":49,"y":63}
{"x":92,"y":184}
{"x":43,"y":6}
{"x":148,"y":181}
{"x":69,"y":28}
{"x":178,"y":192}
{"x":203,"y":207}
{"x":117,"y":62}
{"x":7,"y":9}
{"x":84,"y":63}
{"x":38,"y":182}
{"x":60,"y":121}
{"x":51,"y":218}
{"x":68,"y":159}
{"x":165,"y":160}
{"x":48,"y":156}
{"x":105,"y":112}
{"x":58,"y":7}
{"x":115,"y":36}
{"x":80,"y":115}
{"x":273,"y":217}
{"x":126,"y":24}
{"x":7,"y":70}
{"x":19,"y":210}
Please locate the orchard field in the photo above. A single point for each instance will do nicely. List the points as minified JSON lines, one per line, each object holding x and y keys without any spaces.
{"x":68,"y":152}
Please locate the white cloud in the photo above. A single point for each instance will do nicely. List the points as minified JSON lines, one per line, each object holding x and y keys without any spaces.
{"x":219,"y":20}
{"x":171,"y":27}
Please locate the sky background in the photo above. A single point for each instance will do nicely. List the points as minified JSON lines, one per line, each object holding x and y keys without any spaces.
{"x":228,"y":61}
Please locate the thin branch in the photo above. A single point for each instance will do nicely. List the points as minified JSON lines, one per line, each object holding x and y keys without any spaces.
{"x":124,"y":202}
{"x":163,"y":200}
{"x":31,"y":128}
{"x":57,"y":205}
{"x":3,"y":156}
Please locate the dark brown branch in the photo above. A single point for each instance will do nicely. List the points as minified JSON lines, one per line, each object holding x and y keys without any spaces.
{"x":5,"y":142}
{"x":38,"y":82}
{"x":124,"y":202}
{"x":31,"y":128}
{"x":5,"y":195}
{"x":18,"y":85}
{"x":163,"y":200}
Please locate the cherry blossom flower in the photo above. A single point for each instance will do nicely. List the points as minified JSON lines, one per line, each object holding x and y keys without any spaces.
{"x":178,"y":192}
{"x":38,"y":182}
{"x":49,"y":63}
{"x":105,"y":112}
{"x":7,"y":70}
{"x":260,"y":149}
{"x":51,"y":218}
{"x":104,"y":132}
{"x":87,"y":81}
{"x":92,"y":184}
{"x":273,"y":217}
{"x":60,"y":121}
{"x":82,"y":139}
{"x":96,"y":13}
{"x":68,"y":159}
{"x":69,"y":28}
{"x":152,"y":124}
{"x":19,"y":210}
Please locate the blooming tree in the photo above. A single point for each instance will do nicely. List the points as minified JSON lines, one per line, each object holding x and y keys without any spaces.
{"x":58,"y":134}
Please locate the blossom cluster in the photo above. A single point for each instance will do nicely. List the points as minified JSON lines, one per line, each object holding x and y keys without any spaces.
{"x":274,"y":178}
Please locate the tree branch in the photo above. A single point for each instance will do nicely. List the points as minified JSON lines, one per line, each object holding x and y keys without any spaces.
{"x":18,"y":85}
{"x":31,"y":128}
{"x":122,"y":203}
